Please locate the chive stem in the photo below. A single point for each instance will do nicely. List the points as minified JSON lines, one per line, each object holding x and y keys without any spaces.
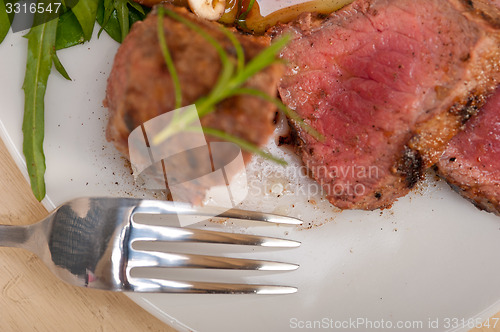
{"x":245,"y":145}
{"x":168,"y":59}
{"x":234,"y":74}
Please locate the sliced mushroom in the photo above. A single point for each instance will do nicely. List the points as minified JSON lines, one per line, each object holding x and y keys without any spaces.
{"x":208,"y":9}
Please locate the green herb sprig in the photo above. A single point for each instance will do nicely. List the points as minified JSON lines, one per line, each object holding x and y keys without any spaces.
{"x":232,"y":78}
{"x":169,"y":61}
{"x":41,"y":45}
{"x":117,"y":16}
{"x":73,"y":27}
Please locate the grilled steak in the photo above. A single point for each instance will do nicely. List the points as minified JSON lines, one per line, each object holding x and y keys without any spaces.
{"x":471,"y":162}
{"x":388,"y":84}
{"x":140,"y":86}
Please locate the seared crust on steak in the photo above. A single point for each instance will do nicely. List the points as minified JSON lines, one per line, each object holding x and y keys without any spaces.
{"x":388,"y":83}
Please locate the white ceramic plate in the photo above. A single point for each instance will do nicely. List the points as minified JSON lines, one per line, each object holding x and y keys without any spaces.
{"x":430,"y":262}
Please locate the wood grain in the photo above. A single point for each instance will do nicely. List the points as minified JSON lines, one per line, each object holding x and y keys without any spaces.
{"x":32,"y":299}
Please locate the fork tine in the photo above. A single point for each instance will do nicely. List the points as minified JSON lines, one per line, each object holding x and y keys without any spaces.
{"x":139,"y":258}
{"x":141,"y":232}
{"x":168,"y":207}
{"x":195,"y":287}
{"x":254,"y":215}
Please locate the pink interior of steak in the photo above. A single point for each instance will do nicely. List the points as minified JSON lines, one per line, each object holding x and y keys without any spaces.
{"x":366,"y":78}
{"x":471,"y":163}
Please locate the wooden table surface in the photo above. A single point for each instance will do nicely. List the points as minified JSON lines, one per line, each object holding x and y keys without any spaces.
{"x":32,"y":299}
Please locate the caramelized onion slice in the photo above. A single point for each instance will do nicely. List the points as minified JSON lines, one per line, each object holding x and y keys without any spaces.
{"x":258,"y":23}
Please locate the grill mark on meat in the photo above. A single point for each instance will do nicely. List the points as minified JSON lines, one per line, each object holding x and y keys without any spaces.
{"x":411,"y":167}
{"x":470,"y":109}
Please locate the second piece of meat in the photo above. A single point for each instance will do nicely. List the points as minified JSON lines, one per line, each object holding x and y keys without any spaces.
{"x":471,"y":163}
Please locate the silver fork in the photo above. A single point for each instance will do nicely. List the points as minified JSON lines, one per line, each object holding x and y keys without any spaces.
{"x":87,"y":242}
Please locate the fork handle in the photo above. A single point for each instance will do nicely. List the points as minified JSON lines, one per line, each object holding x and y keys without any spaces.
{"x":14,"y":236}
